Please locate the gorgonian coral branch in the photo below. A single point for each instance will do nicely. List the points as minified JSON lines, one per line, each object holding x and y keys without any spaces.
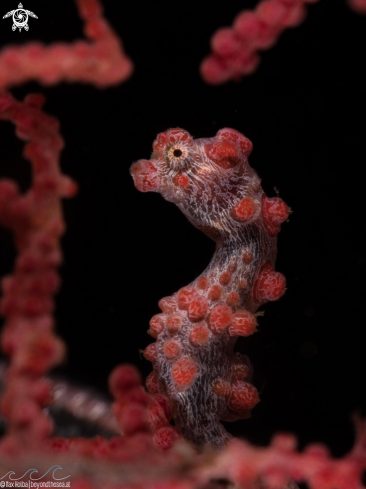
{"x":211,"y":181}
{"x":27,"y":303}
{"x":358,"y":6}
{"x":101,"y":61}
{"x":235,"y":49}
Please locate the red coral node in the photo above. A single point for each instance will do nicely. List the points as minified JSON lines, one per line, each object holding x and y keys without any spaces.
{"x":123,"y":378}
{"x":131,"y":417}
{"x":165,"y":437}
{"x":243,"y":396}
{"x":270,"y":285}
{"x":244,"y":211}
{"x":225,"y":42}
{"x":184,"y":372}
{"x":214,"y":70}
{"x":272,"y":12}
{"x":243,"y":324}
{"x":220,"y":318}
{"x":274,"y":212}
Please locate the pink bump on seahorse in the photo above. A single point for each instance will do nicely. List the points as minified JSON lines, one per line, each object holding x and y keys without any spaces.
{"x":193,"y":357}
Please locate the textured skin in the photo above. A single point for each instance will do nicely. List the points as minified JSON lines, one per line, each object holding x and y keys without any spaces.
{"x":211,"y":181}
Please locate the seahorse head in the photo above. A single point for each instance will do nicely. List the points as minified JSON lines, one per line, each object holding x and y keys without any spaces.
{"x":205,"y":177}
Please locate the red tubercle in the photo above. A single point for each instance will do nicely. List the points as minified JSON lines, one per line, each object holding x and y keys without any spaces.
{"x":245,"y":210}
{"x":223,"y":153}
{"x":237,"y":139}
{"x":184,"y":371}
{"x":215,"y":293}
{"x":171,"y":348}
{"x":168,"y":304}
{"x":199,"y":335}
{"x":174,"y":323}
{"x":220,"y":318}
{"x":222,"y":389}
{"x":232,"y":298}
{"x":243,"y":395}
{"x":197,"y":308}
{"x":202,"y":283}
{"x":247,"y":257}
{"x":243,"y":284}
{"x":157,"y":324}
{"x":152,"y":383}
{"x":151,"y":352}
{"x":160,"y":142}
{"x":145,"y":175}
{"x":178,"y":135}
{"x":240,"y":372}
{"x":274,"y":213}
{"x":181,"y":180}
{"x":243,"y":324}
{"x":225,"y":278}
{"x":185,"y":295}
{"x":270,"y":285}
{"x":170,"y":137}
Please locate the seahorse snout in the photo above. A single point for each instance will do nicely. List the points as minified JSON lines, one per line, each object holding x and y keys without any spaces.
{"x":145,"y":176}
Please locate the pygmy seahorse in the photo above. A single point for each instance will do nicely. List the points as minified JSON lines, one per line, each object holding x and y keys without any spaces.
{"x":193,"y":357}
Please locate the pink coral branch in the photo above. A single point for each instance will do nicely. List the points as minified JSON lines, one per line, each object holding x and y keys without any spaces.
{"x":358,"y":6}
{"x":27,"y":303}
{"x":101,"y":62}
{"x":235,"y":49}
{"x":280,"y":462}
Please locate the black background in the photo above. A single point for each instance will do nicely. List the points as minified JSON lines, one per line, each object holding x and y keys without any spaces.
{"x":304,"y":110}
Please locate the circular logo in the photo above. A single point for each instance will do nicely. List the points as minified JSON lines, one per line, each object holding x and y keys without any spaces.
{"x":20,"y":17}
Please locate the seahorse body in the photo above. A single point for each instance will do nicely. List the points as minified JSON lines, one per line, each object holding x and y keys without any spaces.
{"x":211,"y":181}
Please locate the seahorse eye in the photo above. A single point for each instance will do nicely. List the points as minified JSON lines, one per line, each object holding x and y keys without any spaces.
{"x":177,"y":154}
